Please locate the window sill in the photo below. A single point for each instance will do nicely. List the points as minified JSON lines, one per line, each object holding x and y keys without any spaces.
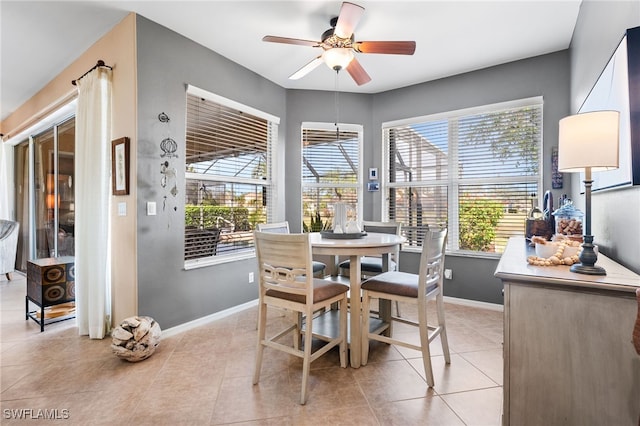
{"x":459,"y":253}
{"x":218,"y":260}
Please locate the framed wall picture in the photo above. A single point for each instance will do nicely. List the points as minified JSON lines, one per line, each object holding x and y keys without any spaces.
{"x":617,"y":89}
{"x":120,"y":166}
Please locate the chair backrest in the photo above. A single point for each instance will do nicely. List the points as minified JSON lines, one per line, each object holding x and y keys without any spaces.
{"x":7,"y":227}
{"x":284,"y":263}
{"x":8,"y":245}
{"x":385,"y":228}
{"x":382,"y":227}
{"x":278,"y":227}
{"x":432,"y":261}
{"x":200,"y":242}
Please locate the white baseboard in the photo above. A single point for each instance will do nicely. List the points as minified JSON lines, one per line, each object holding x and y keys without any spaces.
{"x":222,"y":314}
{"x":474,"y":303}
{"x":208,"y":319}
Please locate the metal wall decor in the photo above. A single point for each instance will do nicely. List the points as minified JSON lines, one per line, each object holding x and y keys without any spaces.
{"x":556,"y":176}
{"x":169,"y":173}
{"x":168,"y":145}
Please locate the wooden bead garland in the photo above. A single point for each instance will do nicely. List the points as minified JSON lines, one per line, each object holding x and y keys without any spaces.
{"x":557,"y":258}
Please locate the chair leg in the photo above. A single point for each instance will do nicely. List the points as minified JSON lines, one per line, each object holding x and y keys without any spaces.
{"x":366,"y":303}
{"x":8,"y":277}
{"x":262,"y":328}
{"x":306,"y":361}
{"x":424,"y":344}
{"x":343,"y":333}
{"x":297,"y":334}
{"x":443,"y":328}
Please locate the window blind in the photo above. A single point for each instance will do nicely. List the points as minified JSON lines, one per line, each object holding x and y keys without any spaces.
{"x":228,"y":176}
{"x":472,"y":171}
{"x":330,"y":173}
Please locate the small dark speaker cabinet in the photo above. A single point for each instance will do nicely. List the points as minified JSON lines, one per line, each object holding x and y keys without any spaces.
{"x":50,"y":282}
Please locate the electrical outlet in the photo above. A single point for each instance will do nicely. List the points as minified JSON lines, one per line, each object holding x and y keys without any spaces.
{"x":448,"y":274}
{"x":251,"y":277}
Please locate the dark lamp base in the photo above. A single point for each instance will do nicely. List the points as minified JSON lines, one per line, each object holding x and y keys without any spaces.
{"x":588,"y":269}
{"x":588,"y":258}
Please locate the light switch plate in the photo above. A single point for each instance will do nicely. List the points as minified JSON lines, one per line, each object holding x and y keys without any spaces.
{"x":122,"y":209}
{"x":151,"y":208}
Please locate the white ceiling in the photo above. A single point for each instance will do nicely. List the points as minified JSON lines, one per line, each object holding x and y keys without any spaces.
{"x":40,"y":39}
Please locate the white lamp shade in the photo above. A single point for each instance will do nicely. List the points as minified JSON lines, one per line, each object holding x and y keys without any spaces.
{"x":589,"y":139}
{"x":337,"y":57}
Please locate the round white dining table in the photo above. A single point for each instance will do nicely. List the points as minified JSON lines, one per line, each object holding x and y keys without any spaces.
{"x":371,"y":244}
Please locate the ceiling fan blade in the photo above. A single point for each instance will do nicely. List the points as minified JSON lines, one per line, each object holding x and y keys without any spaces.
{"x":392,"y":47}
{"x":286,"y":40}
{"x":306,"y":69}
{"x":348,"y":18}
{"x":358,"y":73}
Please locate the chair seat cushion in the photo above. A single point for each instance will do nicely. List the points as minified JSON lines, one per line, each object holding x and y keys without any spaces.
{"x":322,"y":290}
{"x":318,"y":266}
{"x":369,"y":264}
{"x":398,"y":283}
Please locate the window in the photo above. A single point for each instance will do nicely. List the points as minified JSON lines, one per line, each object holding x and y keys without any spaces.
{"x":228,"y":176}
{"x":331,"y":172}
{"x":472,"y":170}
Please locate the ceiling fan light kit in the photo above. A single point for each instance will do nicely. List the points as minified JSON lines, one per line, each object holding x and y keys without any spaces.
{"x":339,"y":46}
{"x":338,"y":58}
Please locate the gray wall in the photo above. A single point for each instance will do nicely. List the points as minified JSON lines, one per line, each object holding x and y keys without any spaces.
{"x":166,"y":63}
{"x":615,"y":217}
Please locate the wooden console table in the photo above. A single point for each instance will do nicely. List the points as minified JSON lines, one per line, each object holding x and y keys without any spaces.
{"x":50,"y":282}
{"x":568,"y":354}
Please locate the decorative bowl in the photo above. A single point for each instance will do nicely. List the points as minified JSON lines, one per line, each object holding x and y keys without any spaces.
{"x":549,"y":249}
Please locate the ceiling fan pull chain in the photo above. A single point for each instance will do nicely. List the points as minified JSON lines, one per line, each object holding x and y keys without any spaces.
{"x":337,"y":104}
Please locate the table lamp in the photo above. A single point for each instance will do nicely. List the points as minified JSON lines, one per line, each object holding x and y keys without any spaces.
{"x":588,"y":142}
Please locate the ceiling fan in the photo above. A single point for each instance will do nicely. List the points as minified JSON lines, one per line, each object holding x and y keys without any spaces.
{"x":338,"y":44}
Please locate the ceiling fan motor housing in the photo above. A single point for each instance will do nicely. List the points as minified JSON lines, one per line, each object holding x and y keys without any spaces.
{"x":330,"y":40}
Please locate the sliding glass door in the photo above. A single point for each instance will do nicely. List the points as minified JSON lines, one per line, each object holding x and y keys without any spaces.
{"x":45,"y":193}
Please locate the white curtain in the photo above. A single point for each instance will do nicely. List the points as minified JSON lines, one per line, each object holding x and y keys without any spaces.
{"x":92,"y":199}
{"x":6,"y":180}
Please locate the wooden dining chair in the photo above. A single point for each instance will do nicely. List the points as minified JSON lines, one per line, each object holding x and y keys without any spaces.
{"x":318,"y":267}
{"x":283,"y":228}
{"x":412,"y":288}
{"x":287,"y":282}
{"x":372,"y":265}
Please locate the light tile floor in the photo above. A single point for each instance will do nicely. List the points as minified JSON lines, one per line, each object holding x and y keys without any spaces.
{"x":203,"y":376}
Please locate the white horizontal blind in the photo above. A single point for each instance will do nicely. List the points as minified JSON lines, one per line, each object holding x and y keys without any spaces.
{"x":330,"y":173}
{"x":228,"y":177}
{"x":471,"y":172}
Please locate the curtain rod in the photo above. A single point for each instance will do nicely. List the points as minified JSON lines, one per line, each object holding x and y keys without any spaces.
{"x":99,"y":64}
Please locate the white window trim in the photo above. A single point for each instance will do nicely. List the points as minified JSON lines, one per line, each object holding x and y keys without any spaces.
{"x":196,"y":91}
{"x":215,"y":260}
{"x":277,"y":175}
